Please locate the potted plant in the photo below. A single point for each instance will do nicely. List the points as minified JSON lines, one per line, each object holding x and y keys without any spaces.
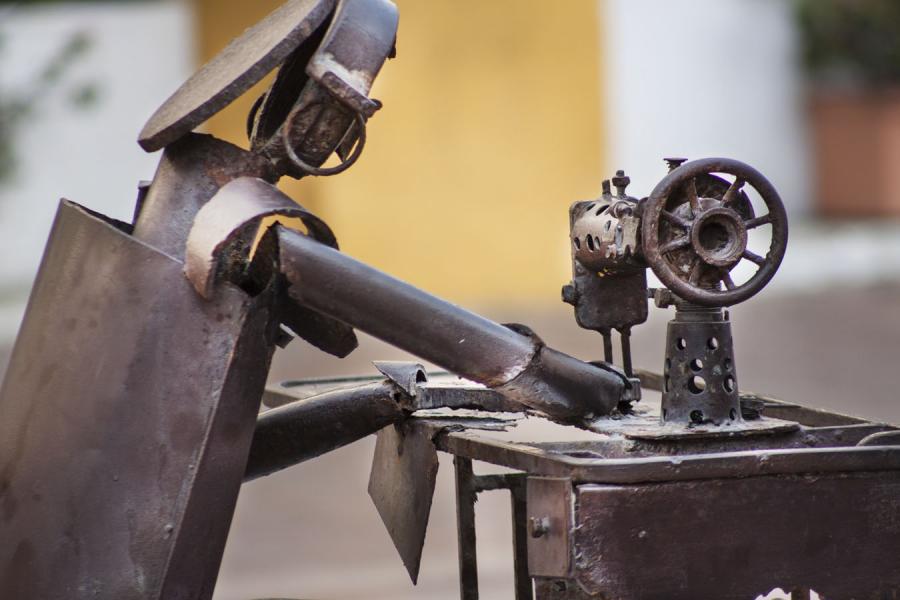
{"x":851,"y":53}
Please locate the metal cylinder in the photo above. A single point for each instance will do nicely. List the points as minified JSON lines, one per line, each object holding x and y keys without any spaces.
{"x":699,"y":378}
{"x":453,"y":338}
{"x":295,"y":432}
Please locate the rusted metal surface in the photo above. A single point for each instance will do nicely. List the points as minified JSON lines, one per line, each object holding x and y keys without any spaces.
{"x":466,"y":496}
{"x":712,"y":236}
{"x":464,"y":343}
{"x":319,"y":102}
{"x":838,"y":534}
{"x":243,"y":63}
{"x":296,"y":432}
{"x":189,"y":174}
{"x":225,"y":229}
{"x":700,"y":376}
{"x":123,"y":440}
{"x":437,"y":390}
{"x":129,"y":415}
{"x":639,"y":461}
{"x":549,"y":526}
{"x":401,"y":485}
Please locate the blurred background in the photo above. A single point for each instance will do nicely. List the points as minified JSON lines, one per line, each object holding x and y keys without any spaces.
{"x":497,"y":115}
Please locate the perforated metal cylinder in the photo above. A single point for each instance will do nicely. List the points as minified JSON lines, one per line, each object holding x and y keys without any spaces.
{"x":699,"y":378}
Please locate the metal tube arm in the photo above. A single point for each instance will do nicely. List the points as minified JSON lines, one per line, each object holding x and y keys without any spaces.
{"x":517,"y":365}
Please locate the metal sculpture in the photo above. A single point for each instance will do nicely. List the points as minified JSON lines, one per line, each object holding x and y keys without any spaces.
{"x":129,"y":416}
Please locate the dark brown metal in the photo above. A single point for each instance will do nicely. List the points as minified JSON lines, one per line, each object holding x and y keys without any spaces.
{"x":319,"y":102}
{"x":519,"y":514}
{"x":401,"y":484}
{"x":123,"y":440}
{"x":735,"y":539}
{"x":714,"y":233}
{"x":225,"y":230}
{"x":296,"y":432}
{"x":549,"y":526}
{"x":514,"y":364}
{"x":243,"y":63}
{"x":190,"y":173}
{"x":465,"y":528}
{"x":700,"y":376}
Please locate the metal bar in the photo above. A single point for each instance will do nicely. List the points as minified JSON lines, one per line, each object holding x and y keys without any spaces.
{"x":519,"y":510}
{"x":715,"y":465}
{"x":295,"y":432}
{"x":607,"y":346}
{"x":462,"y":342}
{"x":465,"y":529}
{"x":494,"y":481}
{"x":515,"y":483}
{"x":625,"y":337}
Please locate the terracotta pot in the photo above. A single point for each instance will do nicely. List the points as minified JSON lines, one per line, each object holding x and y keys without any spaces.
{"x":857,"y":152}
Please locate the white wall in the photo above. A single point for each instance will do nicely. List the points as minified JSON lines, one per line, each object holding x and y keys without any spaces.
{"x":699,"y":78}
{"x":141,"y":52}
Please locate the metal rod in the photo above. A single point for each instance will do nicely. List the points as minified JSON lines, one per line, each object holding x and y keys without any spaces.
{"x":625,"y":337}
{"x":519,"y":510}
{"x":295,"y":432}
{"x":515,"y":483}
{"x":607,"y":346}
{"x":460,"y":341}
{"x":465,"y":529}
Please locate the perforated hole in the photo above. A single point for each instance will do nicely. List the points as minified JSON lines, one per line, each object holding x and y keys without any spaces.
{"x":712,"y":343}
{"x":729,"y":384}
{"x":681,"y":343}
{"x":601,"y":210}
{"x":590,"y":243}
{"x":577,"y":243}
{"x":696,"y":365}
{"x":696,"y":385}
{"x":733,"y":414}
{"x":696,"y":416}
{"x":727,"y":364}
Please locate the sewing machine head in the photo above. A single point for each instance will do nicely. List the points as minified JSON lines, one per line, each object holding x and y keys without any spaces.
{"x":692,"y":232}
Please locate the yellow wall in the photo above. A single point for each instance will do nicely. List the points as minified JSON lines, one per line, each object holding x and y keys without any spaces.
{"x":491,"y":127}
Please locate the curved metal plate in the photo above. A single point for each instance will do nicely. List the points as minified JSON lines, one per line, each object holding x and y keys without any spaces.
{"x":243,"y":63}
{"x":224,"y":229}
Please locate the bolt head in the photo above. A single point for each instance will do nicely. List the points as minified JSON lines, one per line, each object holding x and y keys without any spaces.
{"x":570,"y":294}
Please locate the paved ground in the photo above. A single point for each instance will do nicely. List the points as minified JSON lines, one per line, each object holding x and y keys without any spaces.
{"x":311,"y":531}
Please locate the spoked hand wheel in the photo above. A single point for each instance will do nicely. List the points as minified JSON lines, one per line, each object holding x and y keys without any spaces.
{"x":694,"y":231}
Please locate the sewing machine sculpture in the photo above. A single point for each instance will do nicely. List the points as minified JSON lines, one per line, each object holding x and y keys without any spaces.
{"x":129,"y":415}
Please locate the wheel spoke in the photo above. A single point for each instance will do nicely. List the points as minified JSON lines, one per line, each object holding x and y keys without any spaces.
{"x":756,"y":222}
{"x":696,"y":270}
{"x":674,"y":245}
{"x":690,"y":190}
{"x":732,"y":193}
{"x":727,"y":280}
{"x":672,"y":218}
{"x":753,"y":257}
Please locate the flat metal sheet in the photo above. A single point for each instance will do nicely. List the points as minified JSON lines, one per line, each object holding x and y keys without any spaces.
{"x":242,"y":64}
{"x":404,"y":472}
{"x":126,"y":416}
{"x":549,"y":506}
{"x":838,"y":534}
